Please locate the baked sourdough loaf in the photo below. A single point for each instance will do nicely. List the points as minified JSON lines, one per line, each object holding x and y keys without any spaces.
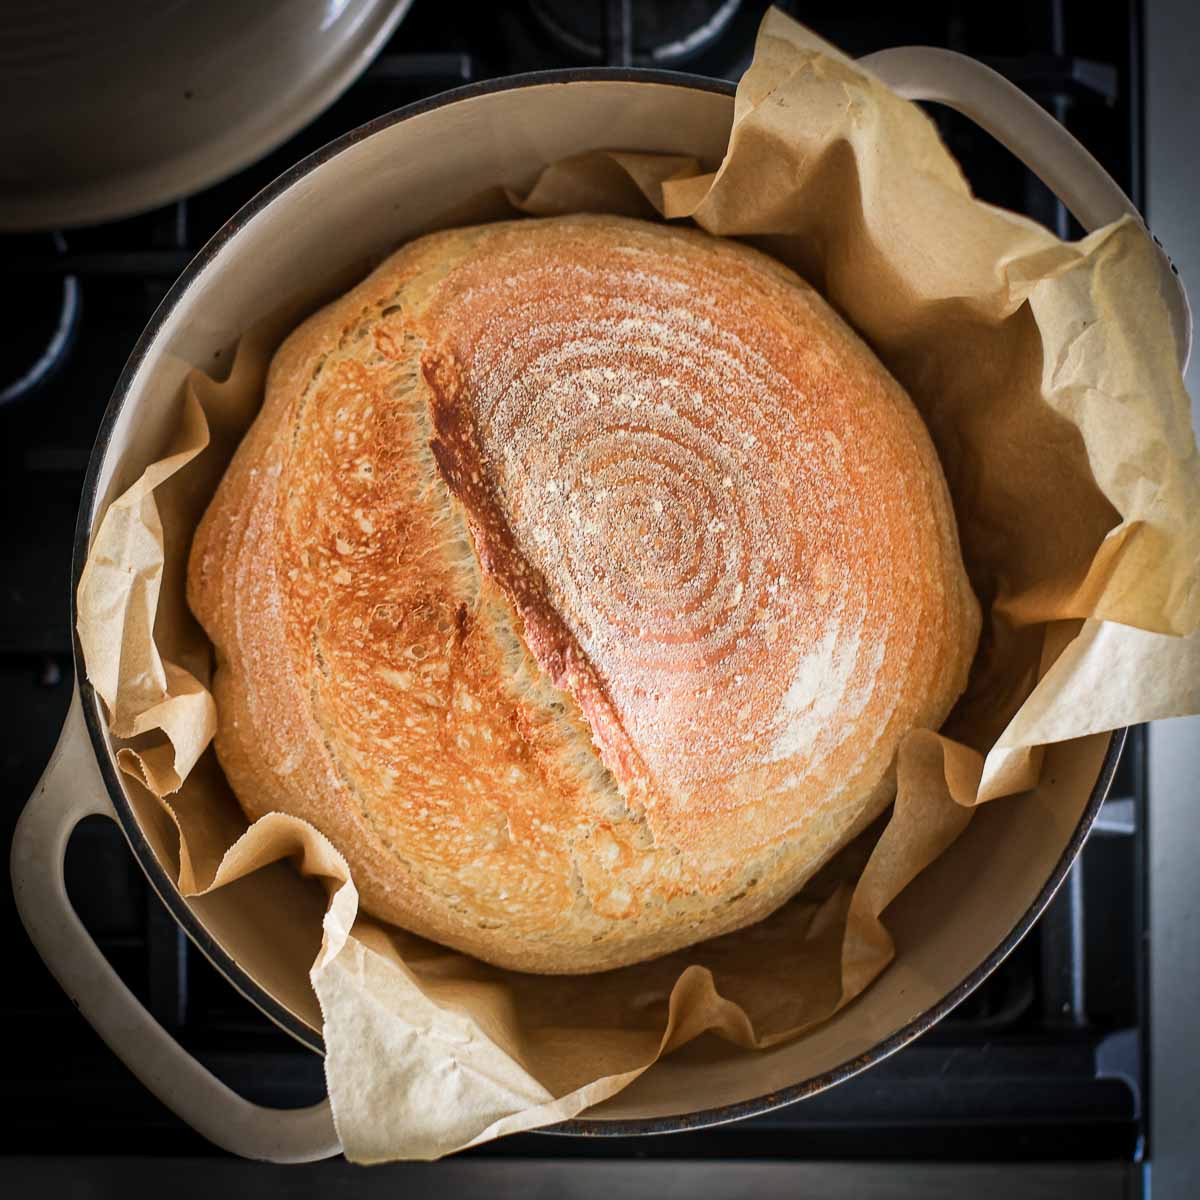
{"x":579,"y":580}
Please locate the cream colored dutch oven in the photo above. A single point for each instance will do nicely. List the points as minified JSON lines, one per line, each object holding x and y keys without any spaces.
{"x":352,"y":201}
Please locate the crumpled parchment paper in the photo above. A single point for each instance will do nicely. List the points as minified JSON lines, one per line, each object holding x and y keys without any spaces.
{"x":1047,"y":374}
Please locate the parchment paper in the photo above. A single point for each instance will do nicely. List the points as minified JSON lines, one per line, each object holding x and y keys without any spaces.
{"x":1048,"y":377}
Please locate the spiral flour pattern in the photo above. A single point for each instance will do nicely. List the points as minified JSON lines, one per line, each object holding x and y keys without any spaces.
{"x":677,"y":556}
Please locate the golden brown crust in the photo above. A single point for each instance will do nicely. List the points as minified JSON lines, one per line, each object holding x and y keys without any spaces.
{"x":579,"y":580}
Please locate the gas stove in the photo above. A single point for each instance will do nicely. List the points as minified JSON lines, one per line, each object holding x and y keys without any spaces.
{"x":1045,"y":1062}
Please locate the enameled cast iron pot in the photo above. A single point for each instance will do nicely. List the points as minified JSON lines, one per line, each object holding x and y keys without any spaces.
{"x":346,"y":204}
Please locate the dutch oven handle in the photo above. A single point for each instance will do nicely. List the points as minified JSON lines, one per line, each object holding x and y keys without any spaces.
{"x":1035,"y":137}
{"x":70,"y":790}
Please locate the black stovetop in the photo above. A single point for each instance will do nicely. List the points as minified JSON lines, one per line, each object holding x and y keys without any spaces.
{"x":1045,"y":1061}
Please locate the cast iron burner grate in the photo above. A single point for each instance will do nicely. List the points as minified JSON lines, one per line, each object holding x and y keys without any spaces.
{"x":623,"y":34}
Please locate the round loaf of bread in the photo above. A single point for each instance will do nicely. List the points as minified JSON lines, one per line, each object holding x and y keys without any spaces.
{"x":579,"y":580}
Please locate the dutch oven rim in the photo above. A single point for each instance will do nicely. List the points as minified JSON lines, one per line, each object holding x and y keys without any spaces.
{"x":166,"y":888}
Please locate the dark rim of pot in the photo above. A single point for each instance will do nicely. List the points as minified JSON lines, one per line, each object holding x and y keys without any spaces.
{"x":165,"y":886}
